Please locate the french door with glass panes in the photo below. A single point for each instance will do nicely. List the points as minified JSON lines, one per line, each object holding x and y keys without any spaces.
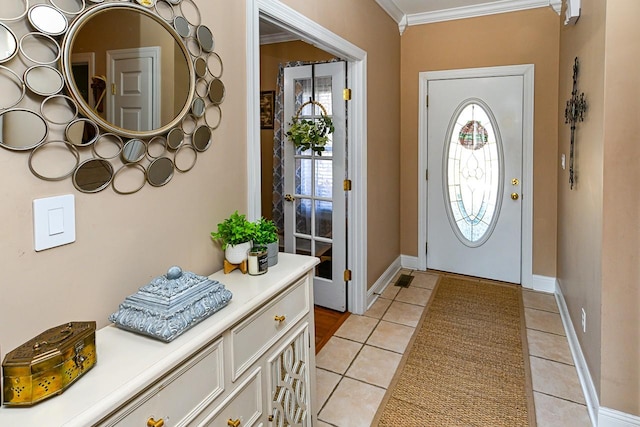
{"x":315,"y":201}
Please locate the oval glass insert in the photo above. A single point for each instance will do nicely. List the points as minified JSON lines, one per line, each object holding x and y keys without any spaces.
{"x":216,"y":91}
{"x":205,"y":38}
{"x":181,"y":26}
{"x":82,"y":132}
{"x":133,"y":151}
{"x":129,"y":179}
{"x":71,"y":7}
{"x":190,"y":11}
{"x":189,"y":124}
{"x":59,"y":109}
{"x":12,"y":88}
{"x":43,"y":80}
{"x":54,"y":160}
{"x":39,"y":48}
{"x":197,"y":107}
{"x":47,"y":19}
{"x":165,"y":10}
{"x":200,"y":65}
{"x":202,"y":138}
{"x":13,"y":10}
{"x":107,"y":146}
{"x":93,"y":175}
{"x":156,"y":147}
{"x":185,"y":158}
{"x":213,"y":116}
{"x":473,"y":173}
{"x":160,"y":171}
{"x":175,"y":138}
{"x":8,"y":43}
{"x":214,"y":65}
{"x":22,"y":129}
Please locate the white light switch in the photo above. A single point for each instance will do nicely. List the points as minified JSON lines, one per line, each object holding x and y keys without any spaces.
{"x":54,"y":222}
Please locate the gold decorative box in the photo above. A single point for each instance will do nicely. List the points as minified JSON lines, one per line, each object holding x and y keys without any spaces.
{"x":49,"y":363}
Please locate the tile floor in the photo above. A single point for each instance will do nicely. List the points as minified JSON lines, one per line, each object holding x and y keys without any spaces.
{"x":358,"y":363}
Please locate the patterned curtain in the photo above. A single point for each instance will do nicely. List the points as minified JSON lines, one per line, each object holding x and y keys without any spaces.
{"x":279,"y":139}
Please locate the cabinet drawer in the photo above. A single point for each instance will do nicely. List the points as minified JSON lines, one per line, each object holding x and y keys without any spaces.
{"x":180,"y":395}
{"x":251,"y":338}
{"x":244,"y":405}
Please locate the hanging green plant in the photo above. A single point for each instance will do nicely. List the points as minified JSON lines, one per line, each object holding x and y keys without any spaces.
{"x":311,"y":133}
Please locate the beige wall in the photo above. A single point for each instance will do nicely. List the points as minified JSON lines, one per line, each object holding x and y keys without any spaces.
{"x":378,"y":35}
{"x":527,"y":37}
{"x":271,"y":56}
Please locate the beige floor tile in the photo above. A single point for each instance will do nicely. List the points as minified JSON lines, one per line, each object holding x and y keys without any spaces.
{"x":374,"y":366}
{"x":390,"y":292}
{"x":553,"y":412}
{"x":403,"y":313}
{"x":325,"y":383}
{"x":391,"y":336}
{"x":357,"y":328}
{"x":353,"y":404}
{"x":411,"y":295}
{"x":556,"y":379}
{"x":549,"y":346}
{"x":424,"y":280}
{"x":540,"y":300}
{"x":337,"y":355}
{"x":378,"y":308}
{"x":543,"y":321}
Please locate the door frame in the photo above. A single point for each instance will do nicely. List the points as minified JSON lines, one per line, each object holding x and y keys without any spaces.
{"x":312,"y":32}
{"x":527,"y":72}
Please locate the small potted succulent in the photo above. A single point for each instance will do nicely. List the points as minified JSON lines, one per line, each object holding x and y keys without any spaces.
{"x":266,"y":234}
{"x":235,"y":234}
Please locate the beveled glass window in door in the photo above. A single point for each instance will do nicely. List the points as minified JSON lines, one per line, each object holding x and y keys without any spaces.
{"x":473,"y":173}
{"x":314,"y":181}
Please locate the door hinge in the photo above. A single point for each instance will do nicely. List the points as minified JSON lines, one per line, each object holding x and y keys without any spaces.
{"x":346,"y":94}
{"x":113,"y":88}
{"x":270,"y":418}
{"x":426,"y":247}
{"x":347,"y":275}
{"x":346,"y":185}
{"x":426,"y":174}
{"x":427,"y":100}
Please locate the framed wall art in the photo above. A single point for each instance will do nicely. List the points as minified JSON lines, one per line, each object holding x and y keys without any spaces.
{"x":266,"y":109}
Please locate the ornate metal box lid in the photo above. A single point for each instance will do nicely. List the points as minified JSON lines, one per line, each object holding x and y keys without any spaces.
{"x":170,"y":304}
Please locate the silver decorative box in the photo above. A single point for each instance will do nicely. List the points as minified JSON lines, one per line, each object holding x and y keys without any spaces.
{"x":171,"y":304}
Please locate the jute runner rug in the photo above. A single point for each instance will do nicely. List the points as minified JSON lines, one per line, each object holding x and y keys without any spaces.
{"x":466,"y":365}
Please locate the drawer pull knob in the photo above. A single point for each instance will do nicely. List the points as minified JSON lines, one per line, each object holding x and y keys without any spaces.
{"x":153,"y":423}
{"x":279,"y":318}
{"x":232,"y":423}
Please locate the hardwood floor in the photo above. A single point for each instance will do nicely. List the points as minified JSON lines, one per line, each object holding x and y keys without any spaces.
{"x":327,"y":323}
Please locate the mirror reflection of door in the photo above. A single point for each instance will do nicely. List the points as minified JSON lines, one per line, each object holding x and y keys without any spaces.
{"x":133,"y":78}
{"x":315,"y":203}
{"x":83,"y":67}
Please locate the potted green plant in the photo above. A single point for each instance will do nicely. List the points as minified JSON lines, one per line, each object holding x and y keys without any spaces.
{"x":311,"y":133}
{"x":235,"y":234}
{"x":266,"y":234}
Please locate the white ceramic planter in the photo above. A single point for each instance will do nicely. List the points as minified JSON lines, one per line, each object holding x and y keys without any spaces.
{"x":235,"y":254}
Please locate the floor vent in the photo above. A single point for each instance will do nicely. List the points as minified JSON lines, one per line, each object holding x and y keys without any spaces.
{"x":404,"y":281}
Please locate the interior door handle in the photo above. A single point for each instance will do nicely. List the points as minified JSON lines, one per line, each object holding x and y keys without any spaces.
{"x":515,"y":196}
{"x":289,"y":198}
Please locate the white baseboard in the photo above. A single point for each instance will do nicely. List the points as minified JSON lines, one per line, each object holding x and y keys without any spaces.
{"x":588,"y":388}
{"x":410,"y":262}
{"x":383,"y":281}
{"x":612,"y":418}
{"x":544,"y":284}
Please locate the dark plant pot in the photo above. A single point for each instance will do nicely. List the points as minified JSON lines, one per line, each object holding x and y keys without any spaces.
{"x":272,"y":253}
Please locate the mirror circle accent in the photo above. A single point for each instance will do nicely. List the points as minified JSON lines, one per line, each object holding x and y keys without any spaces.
{"x":43,"y":80}
{"x":147,"y":3}
{"x":104,"y":140}
{"x":205,"y":38}
{"x":175,"y":138}
{"x":202,"y":87}
{"x":190,"y":12}
{"x":200,"y":66}
{"x":46,"y":40}
{"x":193,"y":46}
{"x":162,"y":7}
{"x":133,"y":151}
{"x":214,"y":65}
{"x":8,"y":43}
{"x":181,"y":26}
{"x":174,"y":2}
{"x":213,"y":116}
{"x":47,"y":19}
{"x":56,"y":104}
{"x":93,"y":175}
{"x":157,"y":147}
{"x":81,"y":6}
{"x":7,"y":83}
{"x":22,"y":129}
{"x":82,"y":132}
{"x":21,"y":14}
{"x":189,"y":124}
{"x":216,"y":91}
{"x":198,"y":107}
{"x":121,"y":175}
{"x":160,"y":171}
{"x":60,"y":147}
{"x":202,"y":138}
{"x":185,"y":158}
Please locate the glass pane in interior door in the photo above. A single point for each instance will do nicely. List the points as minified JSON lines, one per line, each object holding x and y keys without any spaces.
{"x":324,"y":224}
{"x":303,"y":177}
{"x":303,"y":216}
{"x":303,"y":246}
{"x":323,"y":251}
{"x":324,"y":178}
{"x":323,"y":94}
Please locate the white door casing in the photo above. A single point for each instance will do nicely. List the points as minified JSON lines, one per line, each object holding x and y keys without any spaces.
{"x":133,"y":88}
{"x":315,"y":214}
{"x":456,"y":255}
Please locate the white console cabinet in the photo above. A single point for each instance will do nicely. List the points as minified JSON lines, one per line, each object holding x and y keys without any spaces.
{"x":250,"y":364}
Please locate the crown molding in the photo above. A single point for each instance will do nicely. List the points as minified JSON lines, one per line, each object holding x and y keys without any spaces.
{"x":278,"y":38}
{"x":503,"y":6}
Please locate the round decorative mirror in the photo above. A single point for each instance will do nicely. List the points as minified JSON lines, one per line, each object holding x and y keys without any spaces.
{"x":94,"y":84}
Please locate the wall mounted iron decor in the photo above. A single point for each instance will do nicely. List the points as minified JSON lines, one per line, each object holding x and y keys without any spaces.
{"x":116,"y":93}
{"x":573,"y":113}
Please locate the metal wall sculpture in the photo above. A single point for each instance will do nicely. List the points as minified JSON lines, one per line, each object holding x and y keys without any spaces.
{"x":574,"y":113}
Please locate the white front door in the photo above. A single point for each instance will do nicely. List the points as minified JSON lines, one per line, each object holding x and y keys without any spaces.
{"x":315,"y":203}
{"x":133,"y":85}
{"x":474,"y":186}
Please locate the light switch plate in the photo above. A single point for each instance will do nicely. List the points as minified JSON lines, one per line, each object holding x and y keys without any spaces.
{"x":54,"y":221}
